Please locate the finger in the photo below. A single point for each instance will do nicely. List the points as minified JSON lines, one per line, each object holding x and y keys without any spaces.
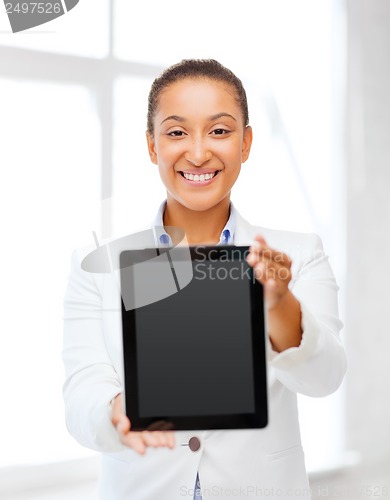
{"x":135,"y":441}
{"x":274,"y":290}
{"x":151,"y":438}
{"x":154,"y":439}
{"x":259,"y":272}
{"x":259,"y":248}
{"x":262,"y":252}
{"x":253,"y":259}
{"x":266,"y":269}
{"x":260,"y":239}
{"x":163,"y":438}
{"x":273,"y":293}
{"x":123,"y":426}
{"x":277,"y":271}
{"x":171,"y":439}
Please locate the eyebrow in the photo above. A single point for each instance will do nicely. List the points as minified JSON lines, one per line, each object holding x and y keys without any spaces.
{"x":211,"y":118}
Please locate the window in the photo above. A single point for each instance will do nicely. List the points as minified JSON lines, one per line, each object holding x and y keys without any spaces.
{"x":49,"y":200}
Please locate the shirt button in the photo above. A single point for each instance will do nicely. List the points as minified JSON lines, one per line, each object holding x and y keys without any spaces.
{"x":194,"y":444}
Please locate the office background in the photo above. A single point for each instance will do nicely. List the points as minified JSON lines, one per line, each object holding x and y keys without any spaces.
{"x":73,"y":160}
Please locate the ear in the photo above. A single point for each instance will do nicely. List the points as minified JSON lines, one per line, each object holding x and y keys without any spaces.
{"x":151,"y":148}
{"x":247,"y":143}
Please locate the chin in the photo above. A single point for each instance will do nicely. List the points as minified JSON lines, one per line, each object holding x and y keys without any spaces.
{"x":199,"y":205}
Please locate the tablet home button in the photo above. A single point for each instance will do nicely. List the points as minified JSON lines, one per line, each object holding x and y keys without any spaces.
{"x":194,"y":444}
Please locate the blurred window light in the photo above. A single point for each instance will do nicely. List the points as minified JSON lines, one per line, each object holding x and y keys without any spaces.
{"x":49,"y":202}
{"x":137,"y":188}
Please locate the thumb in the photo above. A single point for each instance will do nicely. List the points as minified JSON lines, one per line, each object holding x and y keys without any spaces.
{"x":123,"y":426}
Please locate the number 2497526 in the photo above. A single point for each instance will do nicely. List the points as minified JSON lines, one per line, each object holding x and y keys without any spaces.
{"x":34,"y":7}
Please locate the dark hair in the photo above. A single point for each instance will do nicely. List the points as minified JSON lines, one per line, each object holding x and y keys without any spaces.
{"x":195,"y":68}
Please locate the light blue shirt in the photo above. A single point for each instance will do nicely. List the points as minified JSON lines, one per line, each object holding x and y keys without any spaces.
{"x":162,"y":238}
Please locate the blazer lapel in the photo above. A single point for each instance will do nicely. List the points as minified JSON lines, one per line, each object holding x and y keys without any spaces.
{"x":245,"y":232}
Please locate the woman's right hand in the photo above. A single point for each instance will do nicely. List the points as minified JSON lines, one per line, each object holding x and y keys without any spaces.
{"x":137,"y":440}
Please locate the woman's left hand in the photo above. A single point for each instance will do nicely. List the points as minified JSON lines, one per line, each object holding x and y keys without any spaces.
{"x":273,"y":270}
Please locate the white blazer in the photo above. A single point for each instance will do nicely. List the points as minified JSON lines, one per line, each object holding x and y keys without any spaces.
{"x":249,"y":463}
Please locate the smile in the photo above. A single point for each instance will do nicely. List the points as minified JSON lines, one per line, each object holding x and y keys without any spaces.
{"x":199,"y":177}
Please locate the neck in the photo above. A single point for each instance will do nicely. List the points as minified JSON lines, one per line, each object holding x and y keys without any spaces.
{"x":201,"y":227}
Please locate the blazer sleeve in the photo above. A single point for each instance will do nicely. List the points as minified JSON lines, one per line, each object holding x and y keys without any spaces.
{"x":317,"y":366}
{"x":91,"y":381}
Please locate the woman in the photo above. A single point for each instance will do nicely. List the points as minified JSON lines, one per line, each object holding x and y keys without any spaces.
{"x":198,"y":135}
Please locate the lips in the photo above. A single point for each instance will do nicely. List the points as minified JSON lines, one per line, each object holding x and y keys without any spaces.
{"x":199,"y":175}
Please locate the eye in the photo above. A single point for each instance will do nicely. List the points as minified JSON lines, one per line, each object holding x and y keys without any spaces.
{"x":220,"y":131}
{"x":175,"y":133}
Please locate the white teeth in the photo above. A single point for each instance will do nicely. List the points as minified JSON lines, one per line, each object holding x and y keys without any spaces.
{"x":201,"y":177}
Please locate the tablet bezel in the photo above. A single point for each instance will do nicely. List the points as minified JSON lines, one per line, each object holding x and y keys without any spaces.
{"x":259,"y":418}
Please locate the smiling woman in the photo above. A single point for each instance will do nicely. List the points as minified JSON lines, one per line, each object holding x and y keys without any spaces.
{"x":197,"y":127}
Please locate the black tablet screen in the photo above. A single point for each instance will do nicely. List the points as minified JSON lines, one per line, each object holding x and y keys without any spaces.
{"x":203,"y":333}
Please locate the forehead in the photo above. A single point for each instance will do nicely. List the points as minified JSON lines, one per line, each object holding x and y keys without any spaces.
{"x":198,"y":96}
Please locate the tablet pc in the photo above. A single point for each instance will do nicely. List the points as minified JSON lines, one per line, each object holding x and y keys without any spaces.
{"x":194,"y":357}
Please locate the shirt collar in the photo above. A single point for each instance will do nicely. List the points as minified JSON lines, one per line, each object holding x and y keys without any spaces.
{"x":162,"y":238}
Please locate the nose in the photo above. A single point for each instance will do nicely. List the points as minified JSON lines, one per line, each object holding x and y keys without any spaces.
{"x":198,"y":153}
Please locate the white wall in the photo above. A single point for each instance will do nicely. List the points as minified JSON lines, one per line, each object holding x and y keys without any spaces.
{"x":368,"y":238}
